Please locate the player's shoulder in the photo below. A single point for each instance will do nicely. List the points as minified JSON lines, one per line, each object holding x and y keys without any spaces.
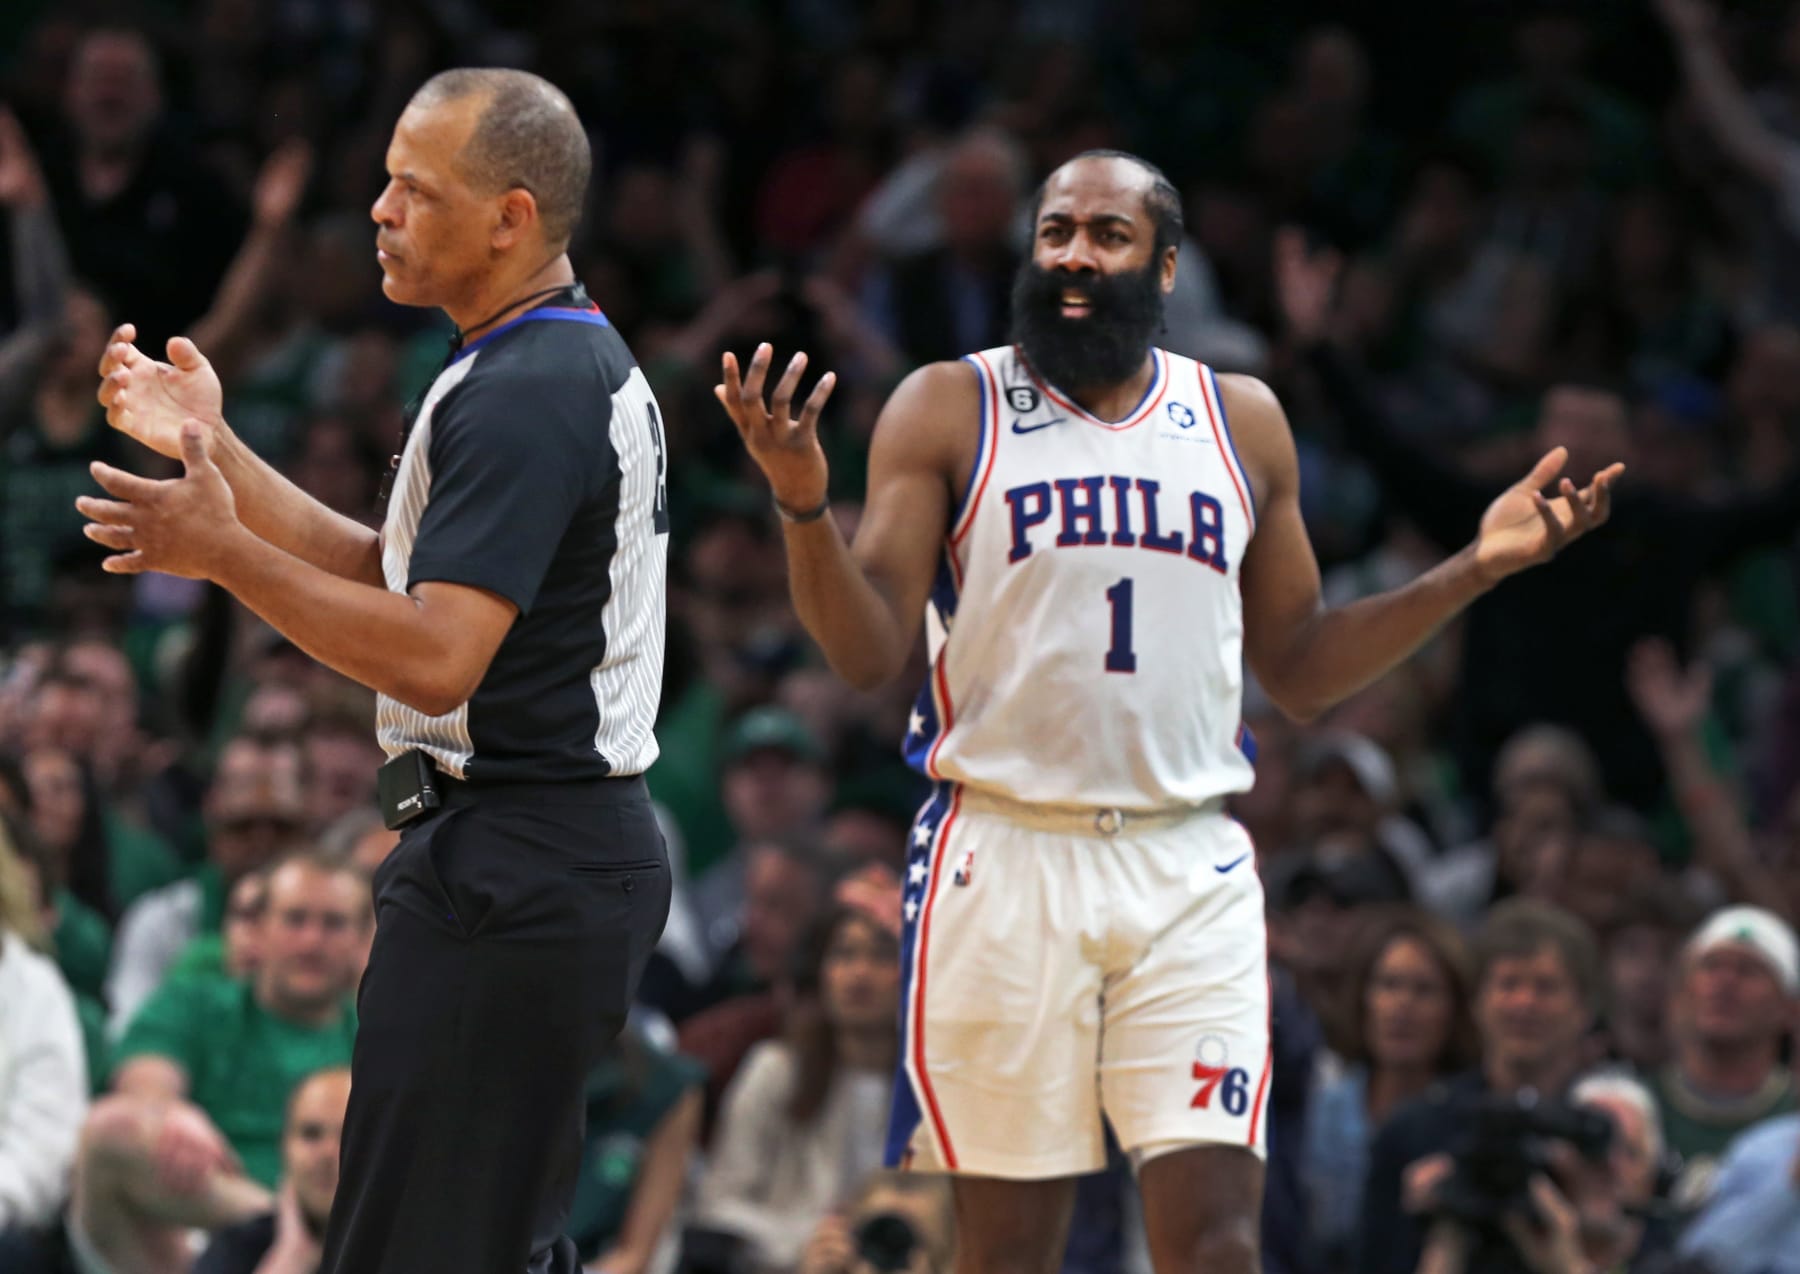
{"x":936,"y":394}
{"x":1258,"y":426}
{"x":1249,"y":395}
{"x":949,"y":380}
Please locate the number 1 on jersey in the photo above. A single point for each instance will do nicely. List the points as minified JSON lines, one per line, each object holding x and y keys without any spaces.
{"x":1121,"y":658}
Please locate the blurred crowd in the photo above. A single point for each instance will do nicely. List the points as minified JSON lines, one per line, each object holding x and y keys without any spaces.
{"x":1531,"y":898}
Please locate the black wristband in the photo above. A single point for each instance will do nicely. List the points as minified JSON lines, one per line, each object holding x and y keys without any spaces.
{"x":811,"y":515}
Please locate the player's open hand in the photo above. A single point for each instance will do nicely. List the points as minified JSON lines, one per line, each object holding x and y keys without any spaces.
{"x":1523,"y":527}
{"x":151,"y":401}
{"x":786,"y":448}
{"x":183,"y":526}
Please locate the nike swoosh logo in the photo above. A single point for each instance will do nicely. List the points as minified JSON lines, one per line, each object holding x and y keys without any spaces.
{"x":1222,"y":868}
{"x":1031,"y":429}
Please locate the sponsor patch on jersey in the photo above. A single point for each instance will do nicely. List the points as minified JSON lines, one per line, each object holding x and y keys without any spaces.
{"x":1182,"y":415}
{"x":1023,"y":398}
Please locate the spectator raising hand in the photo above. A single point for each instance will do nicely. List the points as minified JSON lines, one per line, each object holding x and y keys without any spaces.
{"x":21,"y":180}
{"x":1305,"y":285}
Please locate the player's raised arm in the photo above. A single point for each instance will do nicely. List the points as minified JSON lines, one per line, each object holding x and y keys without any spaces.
{"x":863,"y":605}
{"x":1308,"y":657}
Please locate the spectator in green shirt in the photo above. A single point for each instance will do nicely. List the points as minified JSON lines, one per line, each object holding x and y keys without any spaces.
{"x":643,"y":1127}
{"x":191,"y":1135}
{"x":1732,"y":1007}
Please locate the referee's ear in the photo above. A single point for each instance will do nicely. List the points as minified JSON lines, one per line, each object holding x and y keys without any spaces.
{"x":518,"y":222}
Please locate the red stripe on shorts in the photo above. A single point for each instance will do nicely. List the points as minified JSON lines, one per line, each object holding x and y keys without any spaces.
{"x":918,"y":1002}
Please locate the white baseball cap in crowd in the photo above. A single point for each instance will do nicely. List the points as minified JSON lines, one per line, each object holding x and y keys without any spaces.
{"x":1761,"y":932}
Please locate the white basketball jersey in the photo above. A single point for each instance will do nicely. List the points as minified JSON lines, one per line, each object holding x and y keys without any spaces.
{"x":1086,"y":629}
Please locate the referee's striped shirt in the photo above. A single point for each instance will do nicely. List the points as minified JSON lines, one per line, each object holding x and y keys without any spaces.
{"x":536,"y":469}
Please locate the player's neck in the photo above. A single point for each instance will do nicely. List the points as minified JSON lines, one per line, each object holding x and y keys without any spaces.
{"x":1114,"y":402}
{"x":506,"y":295}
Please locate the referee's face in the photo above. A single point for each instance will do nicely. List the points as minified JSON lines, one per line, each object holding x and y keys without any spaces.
{"x":434,"y":231}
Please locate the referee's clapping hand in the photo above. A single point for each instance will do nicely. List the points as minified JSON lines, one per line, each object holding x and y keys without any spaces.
{"x":150,"y":400}
{"x":183,"y":526}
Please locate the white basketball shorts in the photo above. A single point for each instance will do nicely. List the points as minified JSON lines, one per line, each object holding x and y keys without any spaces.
{"x":1062,"y":968}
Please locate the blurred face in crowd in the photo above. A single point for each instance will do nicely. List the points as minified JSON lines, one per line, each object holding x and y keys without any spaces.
{"x":639,"y":219}
{"x":434,"y":228}
{"x":860,"y":980}
{"x":275,"y":708}
{"x":1639,"y":958}
{"x":113,"y":96}
{"x":1408,"y":1006}
{"x":1728,"y":998}
{"x":1591,"y":423}
{"x":1332,"y":72}
{"x":781,"y":897}
{"x":1529,"y":1012}
{"x":332,"y":273}
{"x":1646,"y":243}
{"x":1552,"y":44}
{"x":734,"y":603}
{"x":340,"y":773}
{"x":105,"y":669}
{"x":978,"y":195}
{"x":1597,"y":879}
{"x":255,"y":807}
{"x":1601,"y":1190}
{"x":1631,"y":1159}
{"x":66,"y":712}
{"x":334,"y":469}
{"x":1090,"y":297}
{"x":1439,"y":222}
{"x":1334,"y":810}
{"x":313,"y":937}
{"x":310,"y":1143}
{"x":58,"y":803}
{"x":1534,"y":836}
{"x":770,"y":792}
{"x":242,"y":930}
{"x":1312,"y":933}
{"x":1764,"y":381}
{"x":856,"y":836}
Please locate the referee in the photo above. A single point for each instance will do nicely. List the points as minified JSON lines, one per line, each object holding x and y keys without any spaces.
{"x":510,"y":615}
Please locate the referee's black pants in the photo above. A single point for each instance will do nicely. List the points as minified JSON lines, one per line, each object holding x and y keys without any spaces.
{"x":511,"y":929}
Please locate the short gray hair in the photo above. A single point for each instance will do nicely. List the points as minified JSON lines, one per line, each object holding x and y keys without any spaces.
{"x":529,"y":137}
{"x":1616,"y":1084}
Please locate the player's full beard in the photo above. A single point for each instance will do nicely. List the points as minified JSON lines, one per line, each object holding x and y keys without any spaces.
{"x":1102,"y":348}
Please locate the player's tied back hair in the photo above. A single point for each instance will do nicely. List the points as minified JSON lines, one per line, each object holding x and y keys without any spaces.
{"x":529,"y":137}
{"x":1162,"y":201}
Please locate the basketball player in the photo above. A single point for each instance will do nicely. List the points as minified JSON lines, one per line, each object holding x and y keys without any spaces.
{"x":1098,"y":534}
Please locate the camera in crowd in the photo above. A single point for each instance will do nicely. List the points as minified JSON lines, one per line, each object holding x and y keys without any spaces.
{"x":1507,"y":1141}
{"x":886,"y":1241}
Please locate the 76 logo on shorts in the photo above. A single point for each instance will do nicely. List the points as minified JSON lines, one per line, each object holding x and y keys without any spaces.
{"x":1231,"y":1084}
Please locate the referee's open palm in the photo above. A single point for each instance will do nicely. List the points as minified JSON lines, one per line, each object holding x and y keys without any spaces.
{"x":786,"y":448}
{"x":149,"y":400}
